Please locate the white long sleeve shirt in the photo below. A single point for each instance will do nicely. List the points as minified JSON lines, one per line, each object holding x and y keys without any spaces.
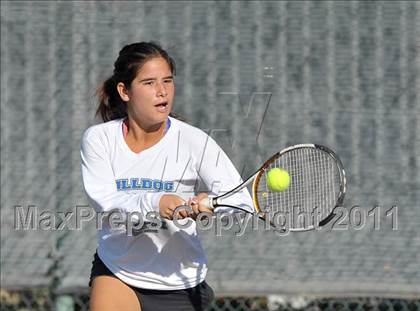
{"x":116,"y":179}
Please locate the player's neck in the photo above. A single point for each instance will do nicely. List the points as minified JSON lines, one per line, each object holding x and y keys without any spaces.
{"x":140,"y":137}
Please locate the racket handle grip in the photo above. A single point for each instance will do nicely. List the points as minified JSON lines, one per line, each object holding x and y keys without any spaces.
{"x":208,"y":202}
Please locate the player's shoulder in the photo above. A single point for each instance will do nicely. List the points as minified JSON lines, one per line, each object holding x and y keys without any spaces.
{"x":101,"y":130}
{"x":194,"y":138}
{"x":188,"y":131}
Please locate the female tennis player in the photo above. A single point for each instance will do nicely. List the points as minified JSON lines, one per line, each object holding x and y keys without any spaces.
{"x":141,"y":161}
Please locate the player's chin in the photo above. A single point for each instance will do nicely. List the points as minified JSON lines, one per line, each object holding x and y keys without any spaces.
{"x":160,"y":117}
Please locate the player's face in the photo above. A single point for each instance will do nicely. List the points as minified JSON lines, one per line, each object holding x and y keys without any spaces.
{"x":152,"y":92}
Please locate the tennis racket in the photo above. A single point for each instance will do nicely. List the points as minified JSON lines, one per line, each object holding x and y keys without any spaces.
{"x":317,"y":186}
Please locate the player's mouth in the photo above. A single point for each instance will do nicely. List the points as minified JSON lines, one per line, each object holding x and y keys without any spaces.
{"x":162,"y":107}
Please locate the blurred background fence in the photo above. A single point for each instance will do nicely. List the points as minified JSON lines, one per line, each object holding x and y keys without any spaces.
{"x":260,"y":76}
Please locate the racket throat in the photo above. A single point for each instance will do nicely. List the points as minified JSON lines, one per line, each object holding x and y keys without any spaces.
{"x":214,"y":202}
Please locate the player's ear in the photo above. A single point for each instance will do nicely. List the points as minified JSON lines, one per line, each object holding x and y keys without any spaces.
{"x":123,"y":92}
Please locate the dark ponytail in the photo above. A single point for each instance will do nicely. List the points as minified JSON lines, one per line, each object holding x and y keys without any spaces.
{"x":111,"y":106}
{"x":129,"y":61}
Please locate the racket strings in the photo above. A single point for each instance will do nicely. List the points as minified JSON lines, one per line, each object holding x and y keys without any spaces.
{"x":313,"y":191}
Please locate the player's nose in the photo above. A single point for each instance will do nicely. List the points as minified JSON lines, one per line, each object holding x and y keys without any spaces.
{"x":161,"y":90}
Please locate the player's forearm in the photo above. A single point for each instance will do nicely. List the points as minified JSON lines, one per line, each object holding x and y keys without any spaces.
{"x":106,"y":201}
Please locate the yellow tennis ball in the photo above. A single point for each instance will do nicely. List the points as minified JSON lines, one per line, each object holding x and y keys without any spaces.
{"x":278,"y":179}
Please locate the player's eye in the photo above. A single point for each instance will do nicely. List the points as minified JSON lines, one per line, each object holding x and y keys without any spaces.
{"x":148,"y":83}
{"x":168,"y":80}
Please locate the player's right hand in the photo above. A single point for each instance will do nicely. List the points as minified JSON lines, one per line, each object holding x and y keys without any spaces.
{"x":168,"y":204}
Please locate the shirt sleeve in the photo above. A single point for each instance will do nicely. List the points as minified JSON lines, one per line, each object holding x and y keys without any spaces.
{"x":219,"y":174}
{"x":100,"y":186}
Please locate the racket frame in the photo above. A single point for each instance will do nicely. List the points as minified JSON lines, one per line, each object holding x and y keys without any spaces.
{"x":216,"y":201}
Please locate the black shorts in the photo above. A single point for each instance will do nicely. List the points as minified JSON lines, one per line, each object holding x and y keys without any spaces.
{"x":190,"y":299}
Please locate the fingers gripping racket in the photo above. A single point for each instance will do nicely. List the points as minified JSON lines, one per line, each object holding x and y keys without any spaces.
{"x":317,"y":185}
